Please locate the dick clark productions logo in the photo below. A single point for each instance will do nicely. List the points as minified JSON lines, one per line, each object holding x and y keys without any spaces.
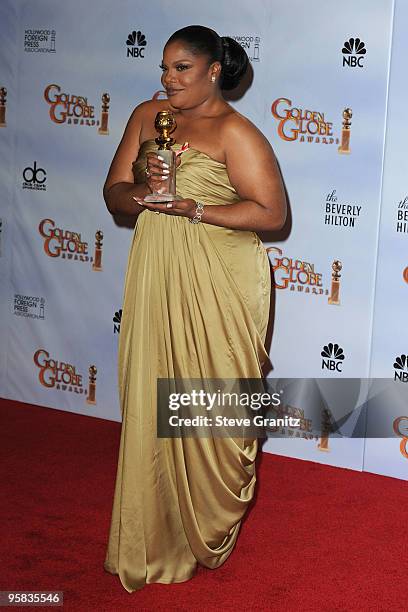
{"x":34,"y":178}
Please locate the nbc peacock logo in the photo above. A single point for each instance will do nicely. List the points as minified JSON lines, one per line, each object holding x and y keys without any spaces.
{"x":353,"y":53}
{"x":136,"y":43}
{"x":332,"y":357}
{"x":117,"y":319}
{"x":401,"y":368}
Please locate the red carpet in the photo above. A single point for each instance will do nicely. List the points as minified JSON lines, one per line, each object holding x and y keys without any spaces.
{"x":318,"y":538}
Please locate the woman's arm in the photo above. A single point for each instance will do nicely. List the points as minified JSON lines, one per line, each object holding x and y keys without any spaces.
{"x":255,"y":176}
{"x":119,"y":187}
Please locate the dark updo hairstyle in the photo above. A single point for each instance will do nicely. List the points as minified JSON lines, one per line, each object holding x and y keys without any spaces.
{"x":204,"y":41}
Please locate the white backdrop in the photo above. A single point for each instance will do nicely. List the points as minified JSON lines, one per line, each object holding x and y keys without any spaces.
{"x":57,"y":311}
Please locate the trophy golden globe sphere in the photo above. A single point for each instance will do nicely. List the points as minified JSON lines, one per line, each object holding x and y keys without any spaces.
{"x":165,"y":124}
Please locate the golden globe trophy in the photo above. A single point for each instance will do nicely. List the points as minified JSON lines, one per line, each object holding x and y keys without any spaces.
{"x":345,"y":132}
{"x":334,"y":297}
{"x":165,"y":124}
{"x":92,"y":371}
{"x":323,"y":445}
{"x":3,"y":96}
{"x":97,"y":263}
{"x":103,"y":130}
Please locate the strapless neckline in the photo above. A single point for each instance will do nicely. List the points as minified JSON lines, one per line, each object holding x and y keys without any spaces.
{"x":215,"y":161}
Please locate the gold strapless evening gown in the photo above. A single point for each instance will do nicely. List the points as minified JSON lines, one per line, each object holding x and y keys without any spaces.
{"x":196,"y":305}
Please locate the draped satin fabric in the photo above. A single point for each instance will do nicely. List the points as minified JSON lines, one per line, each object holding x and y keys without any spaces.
{"x":196,"y":305}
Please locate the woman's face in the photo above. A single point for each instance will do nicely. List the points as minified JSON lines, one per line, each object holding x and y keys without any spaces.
{"x":187,"y":77}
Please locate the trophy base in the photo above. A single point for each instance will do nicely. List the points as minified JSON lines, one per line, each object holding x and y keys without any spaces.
{"x":157,"y":198}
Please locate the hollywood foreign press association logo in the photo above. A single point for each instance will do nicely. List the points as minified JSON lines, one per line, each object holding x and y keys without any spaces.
{"x":353,"y":53}
{"x":117,"y":319}
{"x":401,"y":368}
{"x":251,"y":44}
{"x":30,"y":306}
{"x":34,"y":178}
{"x":39,"y":41}
{"x":136,"y":43}
{"x":332,"y":357}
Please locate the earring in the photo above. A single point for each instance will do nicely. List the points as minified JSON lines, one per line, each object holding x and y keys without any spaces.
{"x":213,"y":78}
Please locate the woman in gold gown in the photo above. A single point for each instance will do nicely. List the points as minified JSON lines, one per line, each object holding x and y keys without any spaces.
{"x":196,"y":305}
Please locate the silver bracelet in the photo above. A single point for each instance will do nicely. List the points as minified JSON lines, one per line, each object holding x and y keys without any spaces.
{"x":198,"y":213}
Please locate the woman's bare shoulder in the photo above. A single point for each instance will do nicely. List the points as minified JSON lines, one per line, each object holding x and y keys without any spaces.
{"x":143,"y":115}
{"x":236,"y":126}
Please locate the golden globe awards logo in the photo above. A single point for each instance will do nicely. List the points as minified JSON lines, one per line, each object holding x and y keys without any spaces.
{"x":75,"y":109}
{"x":400,"y":426}
{"x":63,"y":376}
{"x":295,"y":274}
{"x":301,"y":277}
{"x":68,"y":244}
{"x":304,"y":125}
{"x":304,"y":430}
